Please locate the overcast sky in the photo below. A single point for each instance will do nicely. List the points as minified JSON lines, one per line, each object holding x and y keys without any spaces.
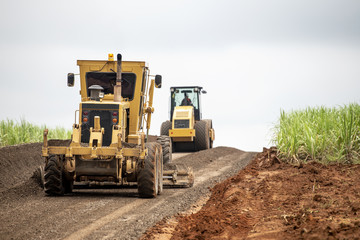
{"x":253,"y":57}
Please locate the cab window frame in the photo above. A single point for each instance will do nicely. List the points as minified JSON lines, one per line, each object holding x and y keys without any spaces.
{"x":107,"y":80}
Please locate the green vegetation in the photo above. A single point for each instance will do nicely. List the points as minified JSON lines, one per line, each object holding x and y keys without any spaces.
{"x":323,"y":134}
{"x":13,"y":132}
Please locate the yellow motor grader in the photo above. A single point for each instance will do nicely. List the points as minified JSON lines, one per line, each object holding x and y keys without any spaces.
{"x":187,"y":129}
{"x":108,"y":143}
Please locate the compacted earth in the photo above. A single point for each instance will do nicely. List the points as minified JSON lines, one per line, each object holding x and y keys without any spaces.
{"x":270,"y":199}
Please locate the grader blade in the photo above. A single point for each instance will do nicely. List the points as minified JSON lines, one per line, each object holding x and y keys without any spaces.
{"x":178,"y":175}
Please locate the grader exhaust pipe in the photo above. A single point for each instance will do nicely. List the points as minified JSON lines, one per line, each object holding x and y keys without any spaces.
{"x":117,"y":87}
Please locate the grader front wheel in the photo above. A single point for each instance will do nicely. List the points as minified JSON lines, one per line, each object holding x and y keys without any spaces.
{"x":160,"y":169}
{"x":148,"y":176}
{"x":53,"y":176}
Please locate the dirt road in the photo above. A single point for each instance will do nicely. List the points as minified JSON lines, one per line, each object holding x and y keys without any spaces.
{"x":26,"y":212}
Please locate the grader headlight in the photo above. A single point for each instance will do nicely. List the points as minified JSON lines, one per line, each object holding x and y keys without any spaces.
{"x":115,"y":117}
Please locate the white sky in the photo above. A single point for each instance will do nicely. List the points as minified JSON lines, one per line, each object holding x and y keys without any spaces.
{"x":253,"y":57}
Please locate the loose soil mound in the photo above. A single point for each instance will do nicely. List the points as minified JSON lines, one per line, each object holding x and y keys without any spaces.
{"x":270,"y":199}
{"x":18,"y":164}
{"x":197,"y":160}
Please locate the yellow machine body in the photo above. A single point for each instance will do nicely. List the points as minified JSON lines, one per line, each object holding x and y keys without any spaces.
{"x":108,"y":138}
{"x":136,"y":104}
{"x":108,"y":143}
{"x":183,"y":124}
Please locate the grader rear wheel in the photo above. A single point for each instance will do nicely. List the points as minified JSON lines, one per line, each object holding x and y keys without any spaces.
{"x":165,"y":142}
{"x":165,"y":127}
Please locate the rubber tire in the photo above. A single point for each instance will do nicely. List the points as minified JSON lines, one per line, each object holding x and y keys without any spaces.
{"x":209,"y":121}
{"x":147,"y":179}
{"x":53,"y":176}
{"x":160,"y":169}
{"x":165,"y":127}
{"x":165,"y":142}
{"x":202,"y":135}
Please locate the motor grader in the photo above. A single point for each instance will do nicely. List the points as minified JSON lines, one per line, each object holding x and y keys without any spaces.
{"x":108,"y":143}
{"x":187,"y":129}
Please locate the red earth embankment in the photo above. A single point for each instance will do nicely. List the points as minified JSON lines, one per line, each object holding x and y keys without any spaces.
{"x":270,"y":199}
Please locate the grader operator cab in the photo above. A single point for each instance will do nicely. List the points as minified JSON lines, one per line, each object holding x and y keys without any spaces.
{"x":108,"y":143}
{"x":187,"y":129}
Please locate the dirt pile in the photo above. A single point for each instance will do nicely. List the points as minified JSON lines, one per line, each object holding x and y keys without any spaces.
{"x":197,"y":160}
{"x":18,"y":164}
{"x":270,"y":199}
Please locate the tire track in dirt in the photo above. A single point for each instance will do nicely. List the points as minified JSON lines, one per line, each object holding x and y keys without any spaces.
{"x":86,"y":231}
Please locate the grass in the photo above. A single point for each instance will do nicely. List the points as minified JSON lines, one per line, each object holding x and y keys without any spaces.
{"x":14,"y":132}
{"x":322,"y":134}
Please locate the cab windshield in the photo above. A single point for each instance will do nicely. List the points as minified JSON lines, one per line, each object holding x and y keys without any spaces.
{"x":185,"y":97}
{"x":107,"y":81}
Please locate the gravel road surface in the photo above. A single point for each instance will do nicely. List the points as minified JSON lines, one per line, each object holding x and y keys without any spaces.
{"x":26,"y":212}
